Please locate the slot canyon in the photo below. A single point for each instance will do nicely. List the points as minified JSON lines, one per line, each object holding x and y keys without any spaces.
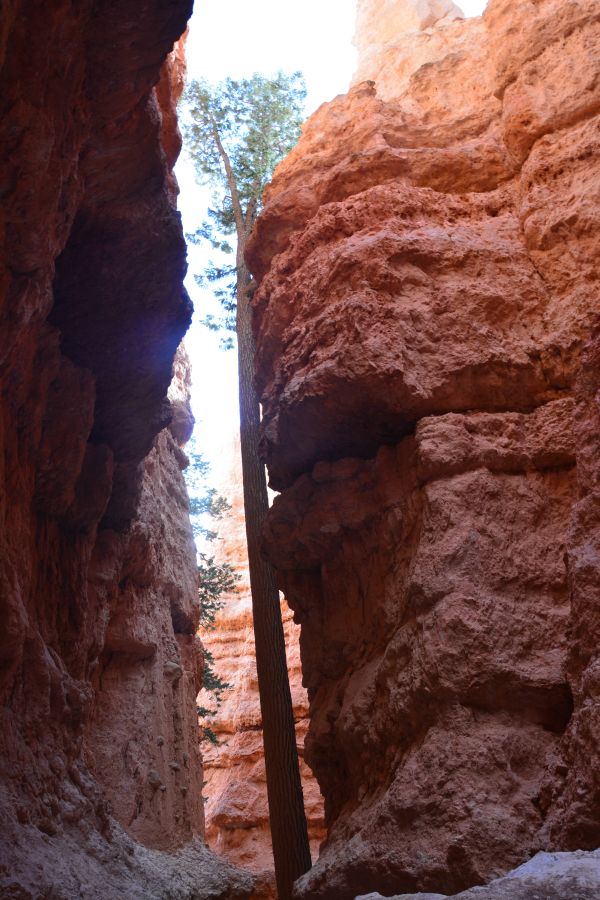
{"x":237,"y":817}
{"x":427,"y":326}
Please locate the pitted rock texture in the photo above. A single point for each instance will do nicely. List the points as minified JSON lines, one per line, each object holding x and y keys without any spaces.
{"x":437,"y":694}
{"x":237,"y":815}
{"x":98,"y":600}
{"x":548,"y":876}
{"x":424,"y":319}
{"x":142,"y":742}
{"x":572,"y":792}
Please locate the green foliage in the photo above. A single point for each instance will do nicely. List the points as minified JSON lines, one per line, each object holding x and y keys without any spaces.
{"x":214,"y":579}
{"x":198,"y":467}
{"x":215,"y":686}
{"x":204,"y":502}
{"x":257,"y":120}
{"x":210,"y":504}
{"x":211,"y":681}
{"x":236,"y":132}
{"x":222,"y":281}
{"x":207,"y":734}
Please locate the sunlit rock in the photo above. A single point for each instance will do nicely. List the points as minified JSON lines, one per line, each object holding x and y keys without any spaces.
{"x":426,"y":324}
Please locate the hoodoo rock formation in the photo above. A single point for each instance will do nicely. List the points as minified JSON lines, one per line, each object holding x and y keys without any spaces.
{"x":237,"y":815}
{"x":100,"y":774}
{"x":427,"y":333}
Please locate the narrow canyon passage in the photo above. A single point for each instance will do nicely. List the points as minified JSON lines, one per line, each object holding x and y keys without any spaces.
{"x":427,"y":324}
{"x":237,"y":816}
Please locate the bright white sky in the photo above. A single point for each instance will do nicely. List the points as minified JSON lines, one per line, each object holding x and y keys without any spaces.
{"x":237,"y":38}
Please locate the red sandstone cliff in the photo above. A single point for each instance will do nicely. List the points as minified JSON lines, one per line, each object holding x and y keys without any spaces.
{"x":237,"y":814}
{"x":429,"y":361}
{"x":427,"y":260}
{"x":100,"y":773}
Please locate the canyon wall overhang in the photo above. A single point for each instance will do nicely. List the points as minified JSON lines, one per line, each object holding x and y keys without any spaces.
{"x":100,"y":774}
{"x":425,"y":323}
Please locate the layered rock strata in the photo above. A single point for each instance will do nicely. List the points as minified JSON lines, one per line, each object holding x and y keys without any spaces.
{"x":237,"y":814}
{"x":100,"y":773}
{"x":427,"y":263}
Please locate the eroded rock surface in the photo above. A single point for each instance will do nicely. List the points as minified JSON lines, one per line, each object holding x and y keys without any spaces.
{"x":100,"y":773}
{"x":427,"y":260}
{"x":548,"y":876}
{"x":237,"y":814}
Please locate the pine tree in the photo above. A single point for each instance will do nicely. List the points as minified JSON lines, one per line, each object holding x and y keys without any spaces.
{"x":214,"y":579}
{"x":237,"y":132}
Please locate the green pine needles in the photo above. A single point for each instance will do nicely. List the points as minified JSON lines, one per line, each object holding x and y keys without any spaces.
{"x":215,"y":580}
{"x":257,"y":120}
{"x":235,"y":133}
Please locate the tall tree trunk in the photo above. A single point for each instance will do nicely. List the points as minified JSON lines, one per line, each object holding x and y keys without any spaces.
{"x":291,"y":850}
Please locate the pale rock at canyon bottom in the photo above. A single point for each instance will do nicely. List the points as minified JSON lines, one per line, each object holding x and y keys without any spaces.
{"x":427,"y":353}
{"x":237,"y":815}
{"x":548,"y":876}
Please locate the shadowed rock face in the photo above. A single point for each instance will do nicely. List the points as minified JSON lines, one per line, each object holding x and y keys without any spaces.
{"x":99,"y":663}
{"x":425,"y":317}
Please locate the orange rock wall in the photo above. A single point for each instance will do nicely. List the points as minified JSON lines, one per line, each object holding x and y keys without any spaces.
{"x":427,"y":261}
{"x":100,"y":773}
{"x":237,"y":814}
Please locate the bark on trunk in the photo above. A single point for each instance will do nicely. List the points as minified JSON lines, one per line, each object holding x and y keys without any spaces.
{"x":291,"y":850}
{"x":289,"y":834}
